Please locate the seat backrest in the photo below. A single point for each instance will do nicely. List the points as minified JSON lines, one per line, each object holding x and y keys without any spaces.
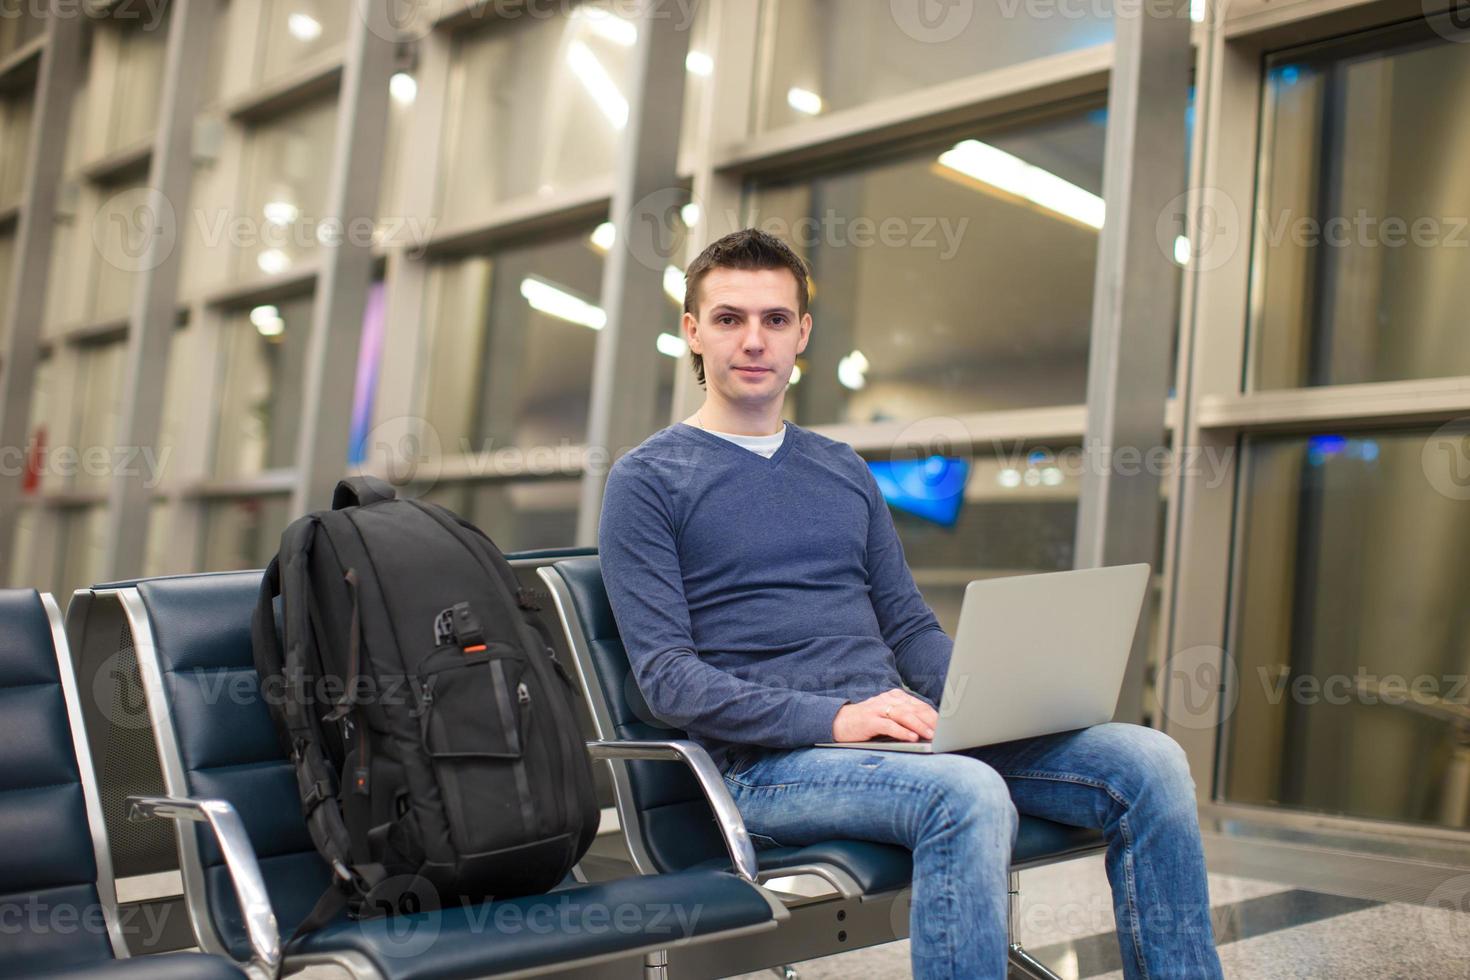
{"x":216,"y":741}
{"x":663,"y":804}
{"x":51,"y":838}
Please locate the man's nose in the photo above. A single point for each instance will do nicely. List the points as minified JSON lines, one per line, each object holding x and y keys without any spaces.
{"x":753,"y":340}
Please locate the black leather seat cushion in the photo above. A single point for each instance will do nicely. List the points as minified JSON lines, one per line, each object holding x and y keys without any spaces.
{"x":565,"y":925}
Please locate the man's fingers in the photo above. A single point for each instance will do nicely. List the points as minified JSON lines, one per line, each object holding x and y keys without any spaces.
{"x":913,"y":721}
{"x":895,"y":730}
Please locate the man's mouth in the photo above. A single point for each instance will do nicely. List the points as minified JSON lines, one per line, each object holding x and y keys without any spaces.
{"x":753,"y":370}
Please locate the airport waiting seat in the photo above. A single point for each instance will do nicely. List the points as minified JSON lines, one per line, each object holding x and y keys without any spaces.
{"x":670,"y":827}
{"x":221,"y":759}
{"x":55,"y":872}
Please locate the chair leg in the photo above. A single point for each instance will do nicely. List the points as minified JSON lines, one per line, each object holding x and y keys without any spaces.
{"x":656,"y":965}
{"x":1022,"y":964}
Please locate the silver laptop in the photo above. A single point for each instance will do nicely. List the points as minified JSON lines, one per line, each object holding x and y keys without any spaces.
{"x":1033,"y":655}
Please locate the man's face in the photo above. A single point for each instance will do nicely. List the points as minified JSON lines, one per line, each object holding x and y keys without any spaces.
{"x":748,"y":333}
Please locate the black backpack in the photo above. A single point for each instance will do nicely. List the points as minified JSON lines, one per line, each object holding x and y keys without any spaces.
{"x":428,"y":718}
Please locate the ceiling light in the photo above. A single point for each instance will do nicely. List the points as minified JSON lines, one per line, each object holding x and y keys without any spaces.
{"x":273,"y":261}
{"x":264,"y":314}
{"x":598,"y":83}
{"x":1181,"y":250}
{"x":604,"y":235}
{"x":1001,"y":170}
{"x":557,"y":302}
{"x":403,"y":87}
{"x":674,"y":283}
{"x":672,"y":346}
{"x":804,"y":101}
{"x":304,"y":27}
{"x":699,"y":63}
{"x":281,"y":212}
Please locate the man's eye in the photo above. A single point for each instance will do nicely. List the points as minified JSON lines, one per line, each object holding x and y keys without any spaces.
{"x":726,"y":320}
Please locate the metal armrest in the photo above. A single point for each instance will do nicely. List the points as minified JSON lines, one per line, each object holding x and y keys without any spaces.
{"x":234,"y":844}
{"x":693,"y":755}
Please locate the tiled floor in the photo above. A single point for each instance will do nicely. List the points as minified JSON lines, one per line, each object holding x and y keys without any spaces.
{"x":1265,"y":932}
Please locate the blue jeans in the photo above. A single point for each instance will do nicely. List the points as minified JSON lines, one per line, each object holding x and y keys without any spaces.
{"x":958,"y":814}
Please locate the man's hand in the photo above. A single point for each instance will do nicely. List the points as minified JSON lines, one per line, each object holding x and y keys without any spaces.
{"x":894,"y":713}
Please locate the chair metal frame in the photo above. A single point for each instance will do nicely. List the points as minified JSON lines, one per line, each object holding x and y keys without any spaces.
{"x":268,"y":955}
{"x":732,"y":826}
{"x":87,"y":776}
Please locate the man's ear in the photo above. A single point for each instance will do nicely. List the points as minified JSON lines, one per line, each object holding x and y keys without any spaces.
{"x":806,"y":332}
{"x":690,"y":326}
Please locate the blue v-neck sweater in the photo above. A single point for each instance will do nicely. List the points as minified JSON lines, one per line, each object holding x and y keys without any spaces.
{"x":756,"y":596}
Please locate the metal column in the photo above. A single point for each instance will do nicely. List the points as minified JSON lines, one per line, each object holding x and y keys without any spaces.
{"x":155,"y":295}
{"x":346,"y":268}
{"x":1132,"y":312}
{"x":644,"y":203}
{"x":56,"y":84}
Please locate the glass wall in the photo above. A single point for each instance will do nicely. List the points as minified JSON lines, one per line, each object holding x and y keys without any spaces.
{"x":263,"y":350}
{"x":513,"y":333}
{"x":297,"y":33}
{"x":518,"y":515}
{"x":1362,"y":241}
{"x":285,"y":188}
{"x":15,"y":141}
{"x":950,"y":279}
{"x":817,"y":56}
{"x":140,"y":46}
{"x":964,"y":516}
{"x":242,"y":532}
{"x":1351,"y":635}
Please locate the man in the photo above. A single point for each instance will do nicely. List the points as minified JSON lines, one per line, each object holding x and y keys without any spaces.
{"x":761,"y":591}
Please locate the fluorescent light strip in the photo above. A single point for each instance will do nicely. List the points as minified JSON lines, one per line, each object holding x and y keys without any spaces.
{"x":598,"y":82}
{"x":1000,"y":169}
{"x":553,"y":301}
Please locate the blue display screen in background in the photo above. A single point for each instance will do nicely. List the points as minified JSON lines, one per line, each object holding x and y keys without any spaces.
{"x":932,"y":488}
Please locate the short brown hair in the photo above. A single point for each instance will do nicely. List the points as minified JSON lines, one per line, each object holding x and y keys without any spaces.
{"x":749,"y":249}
